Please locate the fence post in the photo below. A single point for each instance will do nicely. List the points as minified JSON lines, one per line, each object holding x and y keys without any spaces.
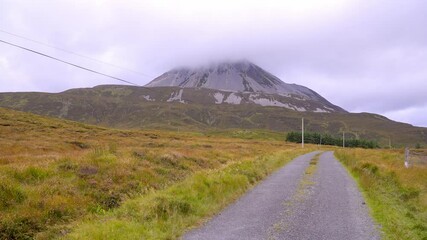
{"x":407,"y":157}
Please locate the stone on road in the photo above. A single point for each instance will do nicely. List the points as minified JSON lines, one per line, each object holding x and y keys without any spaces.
{"x":309,"y":198}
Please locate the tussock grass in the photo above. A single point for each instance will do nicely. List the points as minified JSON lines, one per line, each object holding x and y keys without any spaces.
{"x":166,"y":214}
{"x":56,"y":173}
{"x":396,"y":195}
{"x":10,"y":194}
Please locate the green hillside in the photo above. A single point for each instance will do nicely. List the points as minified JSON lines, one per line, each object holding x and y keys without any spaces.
{"x":125,"y":107}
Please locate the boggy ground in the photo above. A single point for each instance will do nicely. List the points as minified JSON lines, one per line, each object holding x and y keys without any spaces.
{"x":56,"y":173}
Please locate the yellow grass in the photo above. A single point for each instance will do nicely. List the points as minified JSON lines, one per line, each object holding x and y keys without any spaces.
{"x":396,"y":195}
{"x":56,"y":173}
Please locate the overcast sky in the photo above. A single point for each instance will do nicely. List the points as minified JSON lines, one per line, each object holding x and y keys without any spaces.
{"x":362,"y":55}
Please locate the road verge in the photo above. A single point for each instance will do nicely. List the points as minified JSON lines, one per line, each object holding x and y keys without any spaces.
{"x":167,"y":213}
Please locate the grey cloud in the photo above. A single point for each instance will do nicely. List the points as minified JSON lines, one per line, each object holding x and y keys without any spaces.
{"x":362,"y":55}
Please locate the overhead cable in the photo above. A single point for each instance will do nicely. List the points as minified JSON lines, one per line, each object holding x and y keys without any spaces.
{"x":74,"y":53}
{"x":69,"y":63}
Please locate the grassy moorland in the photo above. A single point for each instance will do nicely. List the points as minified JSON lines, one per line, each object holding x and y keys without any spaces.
{"x":396,"y":195}
{"x":166,"y":214}
{"x":65,"y":179}
{"x":127,"y":107}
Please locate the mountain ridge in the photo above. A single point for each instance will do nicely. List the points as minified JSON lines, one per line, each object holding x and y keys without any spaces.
{"x":122,"y":106}
{"x":239,"y":76}
{"x":245,"y":78}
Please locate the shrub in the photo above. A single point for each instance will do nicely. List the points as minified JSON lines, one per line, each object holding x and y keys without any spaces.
{"x":170,"y":159}
{"x":138,"y":154}
{"x":24,"y":228}
{"x":370,"y":168}
{"x":10,"y":195}
{"x":167,"y":206}
{"x":111,"y":201}
{"x":103,"y":156}
{"x":87,"y":171}
{"x":67,"y":165}
{"x":31,"y":175}
{"x":81,"y":145}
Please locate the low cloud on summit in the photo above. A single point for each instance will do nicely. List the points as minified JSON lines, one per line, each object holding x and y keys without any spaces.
{"x":364,"y":56}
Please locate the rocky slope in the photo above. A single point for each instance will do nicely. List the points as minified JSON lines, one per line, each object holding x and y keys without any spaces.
{"x":242,"y":82}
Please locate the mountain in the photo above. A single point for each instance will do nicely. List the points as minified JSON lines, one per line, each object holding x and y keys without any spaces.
{"x":133,"y":107}
{"x":237,"y":95}
{"x":243,"y":83}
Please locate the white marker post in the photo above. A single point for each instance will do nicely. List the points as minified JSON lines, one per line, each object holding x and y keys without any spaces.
{"x":302,"y":133}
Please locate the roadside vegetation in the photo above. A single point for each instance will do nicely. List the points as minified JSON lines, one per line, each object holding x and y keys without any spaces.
{"x":396,"y":195}
{"x":62,"y":179}
{"x":65,"y":179}
{"x":166,"y":214}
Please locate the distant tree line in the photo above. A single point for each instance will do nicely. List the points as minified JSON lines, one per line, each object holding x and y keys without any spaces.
{"x":326,"y":139}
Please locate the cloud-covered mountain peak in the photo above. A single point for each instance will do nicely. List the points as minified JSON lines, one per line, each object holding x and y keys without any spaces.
{"x":238,"y":76}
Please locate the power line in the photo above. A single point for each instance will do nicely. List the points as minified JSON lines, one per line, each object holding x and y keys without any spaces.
{"x":72,"y":64}
{"x":74,"y":53}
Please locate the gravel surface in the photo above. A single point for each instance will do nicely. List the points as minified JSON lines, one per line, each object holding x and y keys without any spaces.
{"x":303,"y":200}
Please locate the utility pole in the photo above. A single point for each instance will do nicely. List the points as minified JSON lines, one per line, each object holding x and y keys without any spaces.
{"x":343,"y":139}
{"x":389,"y":143}
{"x":302,"y":133}
{"x":320,"y":139}
{"x":407,"y":157}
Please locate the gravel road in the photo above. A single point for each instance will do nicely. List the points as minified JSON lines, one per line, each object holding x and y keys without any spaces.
{"x":306,"y":199}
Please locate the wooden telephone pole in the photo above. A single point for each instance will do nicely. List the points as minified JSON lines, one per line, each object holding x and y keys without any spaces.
{"x":343,"y":139}
{"x":302,"y":133}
